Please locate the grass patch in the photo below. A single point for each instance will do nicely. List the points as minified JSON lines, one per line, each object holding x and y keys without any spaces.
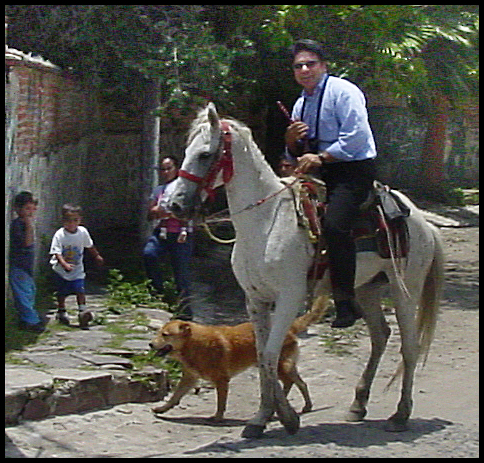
{"x":173,"y":367}
{"x":15,"y":338}
{"x":125,"y":295}
{"x":342,"y":342}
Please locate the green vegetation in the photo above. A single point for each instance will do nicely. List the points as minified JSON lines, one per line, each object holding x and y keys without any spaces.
{"x":119,"y":318}
{"x":125,"y":295}
{"x":341,"y":342}
{"x":236,"y":55}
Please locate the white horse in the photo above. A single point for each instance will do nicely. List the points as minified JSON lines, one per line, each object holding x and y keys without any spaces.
{"x":272,"y":255}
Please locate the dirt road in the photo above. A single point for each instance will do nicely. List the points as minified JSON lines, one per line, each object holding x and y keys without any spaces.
{"x":444,"y":423}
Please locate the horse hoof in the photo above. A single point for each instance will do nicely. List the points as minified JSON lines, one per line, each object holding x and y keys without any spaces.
{"x":292,"y":427}
{"x":395,"y":426}
{"x":354,"y":416}
{"x":290,"y":421}
{"x":252,"y":431}
{"x":288,"y":417}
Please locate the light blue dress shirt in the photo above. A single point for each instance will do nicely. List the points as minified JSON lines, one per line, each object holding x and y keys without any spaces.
{"x":344,"y":130}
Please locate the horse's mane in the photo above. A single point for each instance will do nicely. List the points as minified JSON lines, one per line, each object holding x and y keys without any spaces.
{"x":201,"y":123}
{"x":197,"y":124}
{"x":201,"y":120}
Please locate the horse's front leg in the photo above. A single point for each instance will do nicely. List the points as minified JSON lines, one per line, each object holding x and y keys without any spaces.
{"x":269,"y":345}
{"x":259,"y":313}
{"x":288,"y":304}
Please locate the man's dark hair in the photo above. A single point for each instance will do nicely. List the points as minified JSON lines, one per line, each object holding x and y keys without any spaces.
{"x":23,"y":198}
{"x":175,"y":161}
{"x":308,"y":45}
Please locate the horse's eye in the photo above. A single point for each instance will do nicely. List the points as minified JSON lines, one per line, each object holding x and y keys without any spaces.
{"x":205,"y":154}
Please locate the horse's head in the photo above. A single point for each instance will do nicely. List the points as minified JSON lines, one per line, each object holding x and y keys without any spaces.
{"x":205,"y":156}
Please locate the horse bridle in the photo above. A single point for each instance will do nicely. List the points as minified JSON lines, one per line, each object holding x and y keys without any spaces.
{"x":223,"y":164}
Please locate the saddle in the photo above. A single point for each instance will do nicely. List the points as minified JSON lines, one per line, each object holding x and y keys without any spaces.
{"x":380,"y":226}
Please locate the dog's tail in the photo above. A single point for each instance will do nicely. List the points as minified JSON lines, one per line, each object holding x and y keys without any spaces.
{"x":318,"y":309}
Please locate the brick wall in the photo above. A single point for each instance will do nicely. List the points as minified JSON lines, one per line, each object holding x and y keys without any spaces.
{"x":52,"y":109}
{"x":65,"y":142}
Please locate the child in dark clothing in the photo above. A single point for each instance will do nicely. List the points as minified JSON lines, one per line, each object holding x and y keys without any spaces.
{"x":21,"y":257}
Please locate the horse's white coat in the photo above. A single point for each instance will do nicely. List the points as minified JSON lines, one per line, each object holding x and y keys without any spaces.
{"x":270,"y":261}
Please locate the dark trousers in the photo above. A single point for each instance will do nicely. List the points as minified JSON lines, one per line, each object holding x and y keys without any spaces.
{"x":179,"y":255}
{"x":348,"y":185}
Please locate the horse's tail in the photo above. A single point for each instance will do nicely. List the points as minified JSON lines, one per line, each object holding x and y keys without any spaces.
{"x":318,"y":309}
{"x":429,"y":303}
{"x":430,"y":299}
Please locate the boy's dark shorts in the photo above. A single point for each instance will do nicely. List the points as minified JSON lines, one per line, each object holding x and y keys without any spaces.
{"x":66,"y":287}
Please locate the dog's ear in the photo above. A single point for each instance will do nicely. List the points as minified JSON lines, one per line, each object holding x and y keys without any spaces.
{"x":185,"y":329}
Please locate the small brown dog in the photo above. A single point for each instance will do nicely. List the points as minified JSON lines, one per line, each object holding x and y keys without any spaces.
{"x":217,"y":353}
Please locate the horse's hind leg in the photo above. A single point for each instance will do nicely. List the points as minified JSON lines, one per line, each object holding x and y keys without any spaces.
{"x":408,"y":331}
{"x":369,"y":297}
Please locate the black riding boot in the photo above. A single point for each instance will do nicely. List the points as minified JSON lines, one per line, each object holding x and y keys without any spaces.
{"x":347,"y":312}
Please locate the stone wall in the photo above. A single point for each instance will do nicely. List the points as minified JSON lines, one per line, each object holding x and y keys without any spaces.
{"x":399,"y":136}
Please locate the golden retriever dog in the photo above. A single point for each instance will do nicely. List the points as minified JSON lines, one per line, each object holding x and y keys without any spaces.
{"x":217,"y":353}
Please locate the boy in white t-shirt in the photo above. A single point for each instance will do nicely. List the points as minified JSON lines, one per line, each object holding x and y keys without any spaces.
{"x":67,"y":250}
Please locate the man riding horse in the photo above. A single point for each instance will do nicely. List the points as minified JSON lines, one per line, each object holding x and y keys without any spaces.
{"x":331,"y":133}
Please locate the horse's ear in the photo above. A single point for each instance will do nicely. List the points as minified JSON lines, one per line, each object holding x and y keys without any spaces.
{"x":213,"y":116}
{"x":215,"y":127}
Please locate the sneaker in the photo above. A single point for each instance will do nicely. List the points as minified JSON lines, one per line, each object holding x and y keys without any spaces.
{"x":84,"y":319}
{"x":35,"y":328}
{"x":62,"y":318}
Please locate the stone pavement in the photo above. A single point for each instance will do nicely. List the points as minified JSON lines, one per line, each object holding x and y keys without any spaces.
{"x":70,"y":370}
{"x":451,"y":216}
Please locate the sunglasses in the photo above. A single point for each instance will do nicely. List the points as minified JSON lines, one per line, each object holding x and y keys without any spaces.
{"x":308,"y":64}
